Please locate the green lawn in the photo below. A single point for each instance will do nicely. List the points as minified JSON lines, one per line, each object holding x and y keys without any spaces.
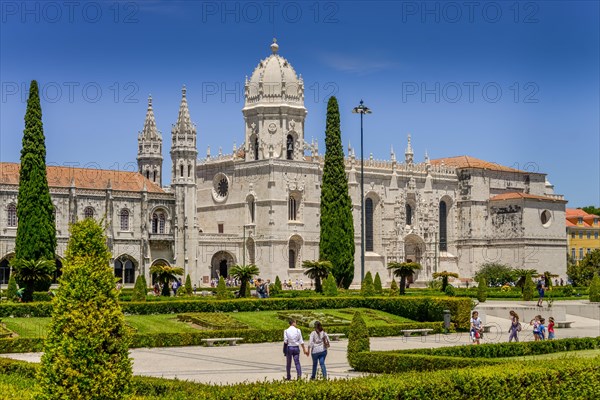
{"x":168,"y":323}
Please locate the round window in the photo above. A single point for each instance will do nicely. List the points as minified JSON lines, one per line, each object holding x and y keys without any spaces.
{"x":546,"y":218}
{"x":220,"y":187}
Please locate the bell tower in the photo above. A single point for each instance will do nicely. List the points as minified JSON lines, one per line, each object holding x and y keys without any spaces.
{"x":149,"y":156}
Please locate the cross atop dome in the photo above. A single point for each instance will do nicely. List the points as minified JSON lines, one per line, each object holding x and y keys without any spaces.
{"x":274,"y":46}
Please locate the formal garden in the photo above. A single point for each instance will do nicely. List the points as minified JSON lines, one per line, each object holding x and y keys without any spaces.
{"x":86,"y":327}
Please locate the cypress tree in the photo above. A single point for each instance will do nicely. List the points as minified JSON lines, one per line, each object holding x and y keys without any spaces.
{"x":367,"y":289}
{"x":358,"y":338}
{"x":393,"y":288}
{"x":337,"y":226}
{"x":330,"y":286}
{"x":86,"y":351}
{"x":11,"y":291}
{"x":188,"y":285}
{"x":140,"y":289}
{"x":36,"y":233}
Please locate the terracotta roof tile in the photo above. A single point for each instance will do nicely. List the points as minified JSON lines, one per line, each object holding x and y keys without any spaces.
{"x":84,"y":178}
{"x":520,"y":195}
{"x":578,"y":212}
{"x":472,"y":162}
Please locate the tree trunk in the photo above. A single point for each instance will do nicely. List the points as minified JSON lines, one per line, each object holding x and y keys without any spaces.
{"x":243,"y":288}
{"x":402,"y":284}
{"x":318,"y":286}
{"x":166,"y":291}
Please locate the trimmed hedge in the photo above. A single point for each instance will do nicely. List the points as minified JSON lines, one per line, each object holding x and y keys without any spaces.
{"x":25,"y":345}
{"x":420,"y":309}
{"x":462,"y":356}
{"x":565,"y":378}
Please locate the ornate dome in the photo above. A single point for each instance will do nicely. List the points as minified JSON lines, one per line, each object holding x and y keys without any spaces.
{"x":274,"y":81}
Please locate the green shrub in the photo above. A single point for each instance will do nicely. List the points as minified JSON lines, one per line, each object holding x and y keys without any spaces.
{"x":567,"y":290}
{"x":86,"y":351}
{"x":450,"y":290}
{"x":222,"y":292}
{"x":377,"y":284}
{"x":595,"y":289}
{"x":393,"y":288}
{"x":275,"y":288}
{"x":482,"y":290}
{"x":358,"y":339}
{"x":366,"y":287}
{"x":189,"y":290}
{"x":212,"y":320}
{"x":330,"y":288}
{"x":11,"y":292}
{"x":140,"y":289}
{"x":528,"y":289}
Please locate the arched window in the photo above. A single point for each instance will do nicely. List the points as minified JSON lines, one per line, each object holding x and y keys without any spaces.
{"x":369,"y":224}
{"x":256,"y":148}
{"x":290,"y":147}
{"x":11,"y":217}
{"x":294,"y":251}
{"x":251,"y":209}
{"x":88,"y":212}
{"x":4,"y":271}
{"x":124,"y":219}
{"x":148,"y":174}
{"x":443,"y":226}
{"x":189,"y":170}
{"x":181,"y":170}
{"x":292,"y":260}
{"x":408,"y":214}
{"x":154,"y":177}
{"x":292,"y":209}
{"x":158,"y":222}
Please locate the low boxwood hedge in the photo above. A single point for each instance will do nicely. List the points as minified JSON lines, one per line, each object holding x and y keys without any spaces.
{"x":422,"y":309}
{"x":560,"y":379}
{"x":24,"y":345}
{"x":462,"y":356}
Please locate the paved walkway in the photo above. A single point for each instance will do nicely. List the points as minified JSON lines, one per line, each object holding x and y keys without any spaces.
{"x":265,"y":361}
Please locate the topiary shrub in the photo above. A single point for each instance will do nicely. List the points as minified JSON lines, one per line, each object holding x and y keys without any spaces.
{"x":139,"y":290}
{"x":358,"y":338}
{"x":450,"y":291}
{"x":568,"y":290}
{"x":377,"y":284}
{"x":482,"y":290}
{"x":528,"y":288}
{"x":393,"y":288}
{"x":595,"y":289}
{"x":330,"y":288}
{"x":276,"y":288}
{"x":86,"y":352}
{"x":222,"y":292}
{"x":189,"y":290}
{"x":366,"y":288}
{"x":11,"y":291}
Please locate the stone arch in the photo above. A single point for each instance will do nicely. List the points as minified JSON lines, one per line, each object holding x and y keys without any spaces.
{"x":251,"y":207}
{"x":158,"y":261}
{"x":445,"y":218}
{"x":414,"y":251}
{"x":294,"y":256}
{"x":126,"y":268}
{"x":159,"y":218}
{"x":221,"y":263}
{"x":5,"y":268}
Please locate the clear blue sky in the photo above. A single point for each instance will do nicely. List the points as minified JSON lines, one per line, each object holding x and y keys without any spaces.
{"x":432,"y":69}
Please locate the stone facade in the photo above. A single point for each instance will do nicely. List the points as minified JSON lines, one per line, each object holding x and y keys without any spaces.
{"x":260,"y":204}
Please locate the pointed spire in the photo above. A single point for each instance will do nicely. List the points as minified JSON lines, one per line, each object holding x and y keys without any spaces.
{"x":183,"y":119}
{"x":150,"y":132}
{"x":408,"y":154}
{"x":392,"y":154}
{"x":426,"y":157}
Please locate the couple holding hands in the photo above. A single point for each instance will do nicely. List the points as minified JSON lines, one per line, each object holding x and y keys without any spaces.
{"x":317,"y":346}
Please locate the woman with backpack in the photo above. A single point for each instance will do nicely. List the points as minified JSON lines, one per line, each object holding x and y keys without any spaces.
{"x":515,"y":327}
{"x":317,"y":346}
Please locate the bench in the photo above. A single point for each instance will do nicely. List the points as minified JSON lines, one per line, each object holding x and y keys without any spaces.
{"x":210,"y":342}
{"x":423,"y":331}
{"x":487,"y":328}
{"x":563,"y":324}
{"x":335,"y":336}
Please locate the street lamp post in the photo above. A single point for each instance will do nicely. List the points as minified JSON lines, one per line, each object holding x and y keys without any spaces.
{"x":362,"y":109}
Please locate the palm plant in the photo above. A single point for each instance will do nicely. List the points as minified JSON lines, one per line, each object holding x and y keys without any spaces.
{"x":166,"y":274}
{"x":403,"y":270}
{"x":31,"y":272}
{"x":444,"y":275}
{"x":548,"y":278}
{"x":317,"y":270}
{"x":522,"y":274}
{"x":244,"y":273}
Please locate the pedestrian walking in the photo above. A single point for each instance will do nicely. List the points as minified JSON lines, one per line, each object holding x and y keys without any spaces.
{"x":541,"y":288}
{"x":476,"y":328}
{"x":551,"y":328}
{"x":292,"y":336}
{"x":317,"y":346}
{"x":515,"y":327}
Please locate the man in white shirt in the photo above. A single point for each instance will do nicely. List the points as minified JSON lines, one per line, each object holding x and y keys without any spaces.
{"x":293,"y":337}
